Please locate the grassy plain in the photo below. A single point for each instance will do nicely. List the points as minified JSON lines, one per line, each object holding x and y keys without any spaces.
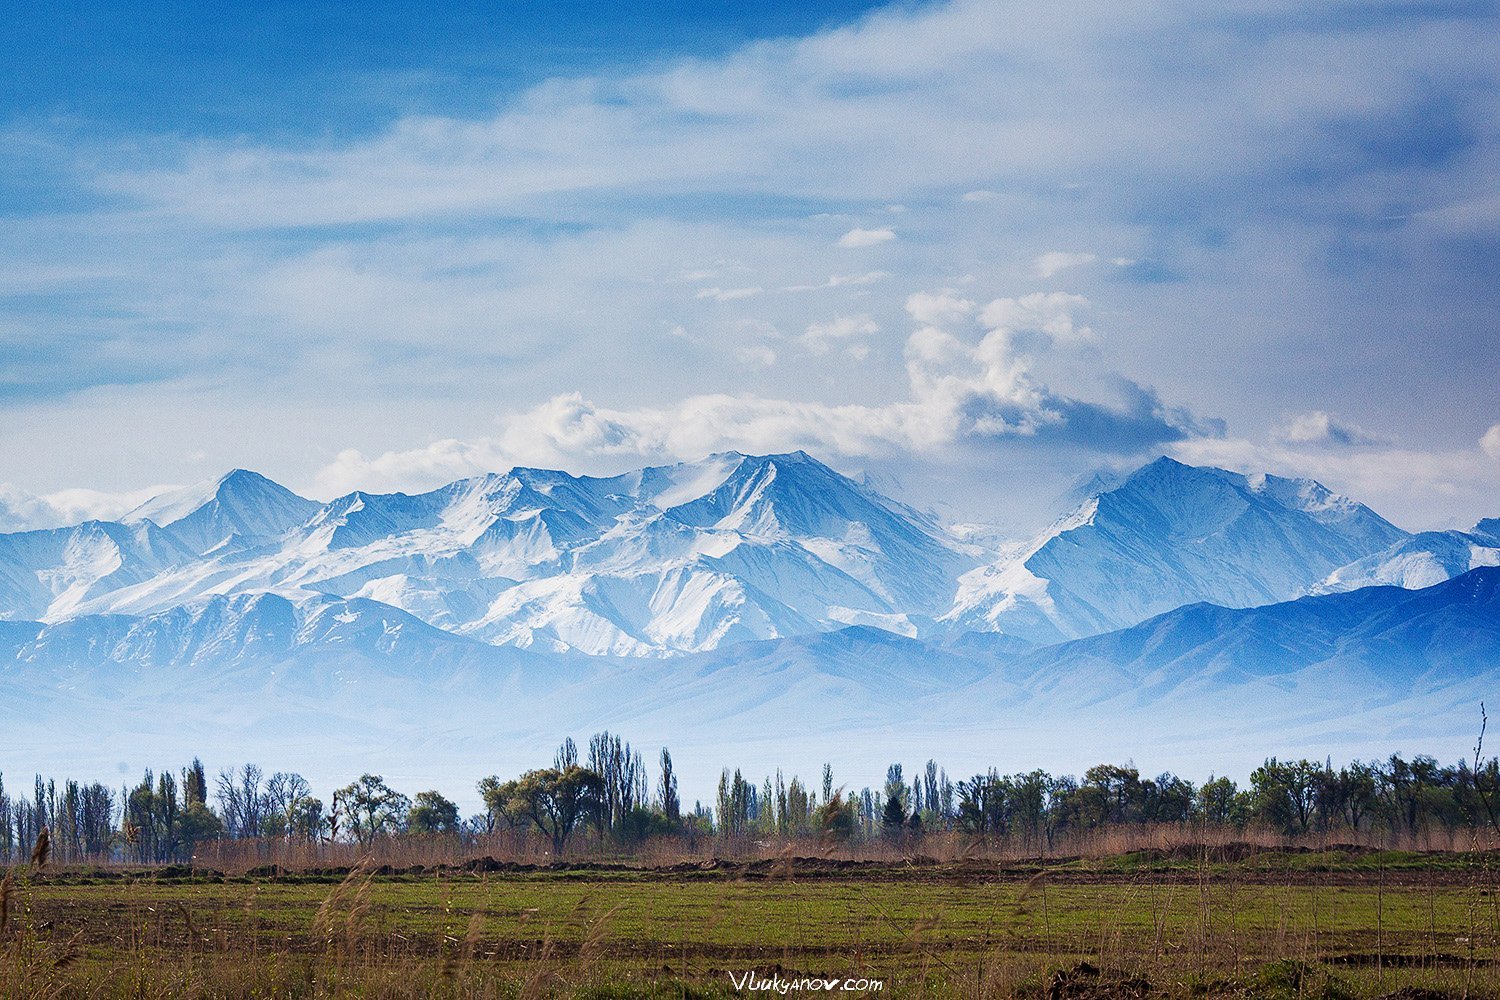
{"x":1208,"y":923}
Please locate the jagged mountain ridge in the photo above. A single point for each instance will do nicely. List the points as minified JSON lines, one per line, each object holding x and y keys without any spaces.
{"x":666,"y":559}
{"x":734,"y":548}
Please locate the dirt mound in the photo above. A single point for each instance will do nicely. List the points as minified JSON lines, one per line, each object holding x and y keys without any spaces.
{"x":1088,"y":982}
{"x":489,"y":865}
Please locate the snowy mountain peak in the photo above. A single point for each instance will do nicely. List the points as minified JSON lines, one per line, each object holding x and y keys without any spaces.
{"x":238,"y":486}
{"x":240,"y":504}
{"x":1170,"y":534}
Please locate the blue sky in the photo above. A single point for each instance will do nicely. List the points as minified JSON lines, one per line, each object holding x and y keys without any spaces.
{"x":975,"y":248}
{"x":230,"y":69}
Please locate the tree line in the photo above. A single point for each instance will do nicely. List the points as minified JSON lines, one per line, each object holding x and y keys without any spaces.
{"x":612,"y":795}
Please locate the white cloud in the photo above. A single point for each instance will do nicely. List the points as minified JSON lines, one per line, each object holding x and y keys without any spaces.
{"x":1491,"y":442}
{"x":841,"y":281}
{"x":728,"y":294}
{"x":1419,"y":488}
{"x":866,"y":237}
{"x":938,"y":308}
{"x":1318,"y":427}
{"x":545,"y":246}
{"x":1053,"y":261}
{"x":756,"y":354}
{"x":1049,"y":313}
{"x":820,"y":338}
{"x":23,"y":511}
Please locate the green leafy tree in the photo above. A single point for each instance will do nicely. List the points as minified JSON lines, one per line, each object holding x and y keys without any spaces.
{"x":1112,"y":792}
{"x":735,"y":804}
{"x":374,"y":809}
{"x":836,"y":819}
{"x":666,"y":795}
{"x":893,"y":813}
{"x":554,"y":801}
{"x":1221,"y":803}
{"x":200,"y":824}
{"x":1285,"y":793}
{"x":981,"y":805}
{"x":432,"y":813}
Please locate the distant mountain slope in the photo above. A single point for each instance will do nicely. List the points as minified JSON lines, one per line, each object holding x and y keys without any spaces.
{"x":328,"y":685}
{"x":248,"y":629}
{"x":1420,"y":560}
{"x":56,"y":572}
{"x":1170,"y":535}
{"x":1393,"y":639}
{"x":1379,"y":642}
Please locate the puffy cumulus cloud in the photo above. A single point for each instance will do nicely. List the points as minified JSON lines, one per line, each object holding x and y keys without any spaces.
{"x":938,"y":308}
{"x":1056,"y":261}
{"x":855,"y":238}
{"x":845,"y":331}
{"x":23,"y":511}
{"x":571,"y":431}
{"x":756,"y":354}
{"x":1491,"y":442}
{"x":1047,"y":313}
{"x":1317,"y":427}
{"x":962,"y":390}
{"x":989,"y":389}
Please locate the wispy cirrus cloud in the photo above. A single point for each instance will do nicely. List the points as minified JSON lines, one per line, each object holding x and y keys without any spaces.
{"x":856,"y":238}
{"x":1055,"y":261}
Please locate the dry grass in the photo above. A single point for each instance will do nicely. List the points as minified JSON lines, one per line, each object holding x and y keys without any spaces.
{"x":526,"y":848}
{"x":241,"y":856}
{"x":1187,"y":923}
{"x":1171,"y":910}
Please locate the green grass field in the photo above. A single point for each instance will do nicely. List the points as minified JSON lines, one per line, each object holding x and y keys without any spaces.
{"x":1314,"y":924}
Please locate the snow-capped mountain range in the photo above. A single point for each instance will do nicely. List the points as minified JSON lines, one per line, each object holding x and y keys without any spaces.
{"x":698,"y":556}
{"x":741,"y":608}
